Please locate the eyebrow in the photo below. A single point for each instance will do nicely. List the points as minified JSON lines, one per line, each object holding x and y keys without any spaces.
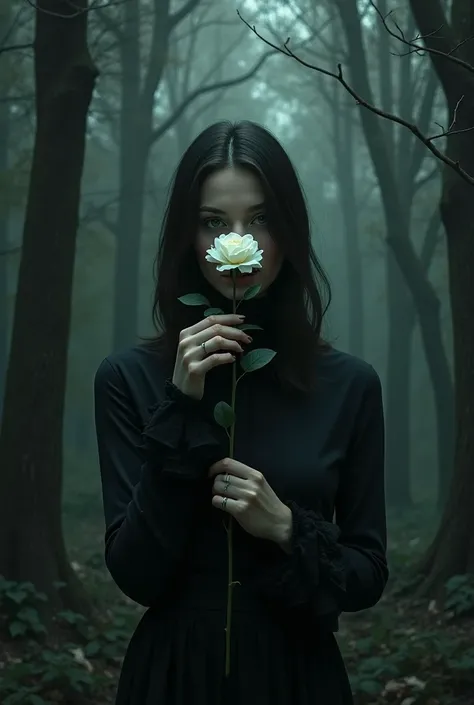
{"x":210,"y":209}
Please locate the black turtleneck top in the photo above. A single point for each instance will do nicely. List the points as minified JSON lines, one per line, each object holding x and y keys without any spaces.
{"x":166,"y":546}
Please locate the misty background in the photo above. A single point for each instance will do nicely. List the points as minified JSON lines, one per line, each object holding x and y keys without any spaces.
{"x":318,"y":124}
{"x":166,"y":71}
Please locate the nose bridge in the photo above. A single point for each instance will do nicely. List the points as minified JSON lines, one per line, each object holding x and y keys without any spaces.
{"x":238,"y":227}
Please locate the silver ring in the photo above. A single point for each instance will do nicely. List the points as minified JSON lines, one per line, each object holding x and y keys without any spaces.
{"x":224,"y":502}
{"x":203,"y":346}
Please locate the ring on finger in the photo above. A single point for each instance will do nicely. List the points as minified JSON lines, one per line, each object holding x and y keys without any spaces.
{"x":226,"y":482}
{"x":203,"y":346}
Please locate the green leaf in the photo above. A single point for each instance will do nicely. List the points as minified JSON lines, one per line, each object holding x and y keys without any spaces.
{"x":34,"y":699}
{"x":17,"y":628}
{"x":17,"y":596}
{"x":249,"y":326}
{"x":213,"y":312}
{"x":370,"y":687}
{"x":194,"y":300}
{"x":223,"y":414}
{"x":251,"y":292}
{"x":256,"y":359}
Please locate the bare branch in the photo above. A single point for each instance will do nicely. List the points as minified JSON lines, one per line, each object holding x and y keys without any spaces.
{"x":98,"y":214}
{"x":111,"y":25}
{"x":205,"y":25}
{"x":339,"y":76}
{"x":181,"y":14}
{"x":16,"y":47}
{"x":166,"y":124}
{"x":423,"y":48}
{"x":75,"y":9}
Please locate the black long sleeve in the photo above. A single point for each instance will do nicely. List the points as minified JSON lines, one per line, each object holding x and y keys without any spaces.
{"x":340,"y":567}
{"x":151,"y":482}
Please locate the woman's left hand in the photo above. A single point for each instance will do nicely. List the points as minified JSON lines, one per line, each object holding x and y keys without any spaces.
{"x":251,"y":501}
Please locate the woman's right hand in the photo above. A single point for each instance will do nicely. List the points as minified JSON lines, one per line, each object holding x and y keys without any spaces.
{"x":194,"y":360}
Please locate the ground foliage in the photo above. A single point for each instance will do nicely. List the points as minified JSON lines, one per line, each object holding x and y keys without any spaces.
{"x":405,"y":651}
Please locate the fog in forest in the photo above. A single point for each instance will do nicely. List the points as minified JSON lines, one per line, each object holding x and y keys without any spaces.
{"x":391,"y":215}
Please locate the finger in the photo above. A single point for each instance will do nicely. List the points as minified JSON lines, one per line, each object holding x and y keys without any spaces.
{"x":230,"y":506}
{"x":221,"y":332}
{"x":228,"y":319}
{"x":233,"y":467}
{"x":198,"y":368}
{"x":219,"y":344}
{"x":231,"y":491}
{"x":228,"y":485}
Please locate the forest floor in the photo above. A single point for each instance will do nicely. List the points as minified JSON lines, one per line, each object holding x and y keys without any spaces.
{"x":405,"y":651}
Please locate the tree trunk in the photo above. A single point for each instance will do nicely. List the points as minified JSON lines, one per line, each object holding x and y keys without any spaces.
{"x":132,"y":176}
{"x":138,"y":135}
{"x":398,"y":387}
{"x":452,"y":551}
{"x":345,"y":172}
{"x":425,"y":300}
{"x":31,"y":539}
{"x":136,"y":124}
{"x":399,"y":304}
{"x":5,"y":67}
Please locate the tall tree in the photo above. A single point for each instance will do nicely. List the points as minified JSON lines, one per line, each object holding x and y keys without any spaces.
{"x":397,"y":223}
{"x":452,"y":551}
{"x":139,"y":131}
{"x":345,"y":169}
{"x":404,"y":87}
{"x":31,"y":539}
{"x":5,"y":66}
{"x":399,"y":84}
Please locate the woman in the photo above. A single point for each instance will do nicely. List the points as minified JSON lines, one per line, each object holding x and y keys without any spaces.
{"x":309,"y":444}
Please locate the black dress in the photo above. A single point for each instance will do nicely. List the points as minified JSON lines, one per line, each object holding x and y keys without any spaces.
{"x":166,"y":546}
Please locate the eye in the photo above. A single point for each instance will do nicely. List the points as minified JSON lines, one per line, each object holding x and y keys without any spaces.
{"x":260,"y":219}
{"x":212,"y":222}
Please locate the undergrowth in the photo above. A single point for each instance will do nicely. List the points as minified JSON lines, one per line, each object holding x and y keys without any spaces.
{"x":403,"y":651}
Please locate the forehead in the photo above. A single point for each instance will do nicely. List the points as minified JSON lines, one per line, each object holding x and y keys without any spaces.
{"x":231,"y":187}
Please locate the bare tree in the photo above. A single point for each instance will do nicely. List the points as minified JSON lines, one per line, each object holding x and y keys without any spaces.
{"x":31,"y":539}
{"x":5,"y":22}
{"x":452,"y":551}
{"x":139,"y":132}
{"x":451,"y":49}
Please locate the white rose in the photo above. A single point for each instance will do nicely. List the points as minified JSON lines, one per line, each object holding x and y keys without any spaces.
{"x":232,"y":251}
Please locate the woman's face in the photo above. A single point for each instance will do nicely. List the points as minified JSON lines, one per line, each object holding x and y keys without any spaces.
{"x":232,"y":200}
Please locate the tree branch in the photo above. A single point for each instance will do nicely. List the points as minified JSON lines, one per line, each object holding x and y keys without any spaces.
{"x":75,"y":10}
{"x":181,"y":14}
{"x":111,"y":25}
{"x":416,"y":48}
{"x":15,"y":47}
{"x":203,"y":90}
{"x":339,"y":76}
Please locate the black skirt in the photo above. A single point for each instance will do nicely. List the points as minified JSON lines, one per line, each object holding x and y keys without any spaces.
{"x":177,"y":657}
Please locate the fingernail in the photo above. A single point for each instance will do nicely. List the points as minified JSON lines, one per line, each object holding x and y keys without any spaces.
{"x":249,"y":338}
{"x":241,"y":317}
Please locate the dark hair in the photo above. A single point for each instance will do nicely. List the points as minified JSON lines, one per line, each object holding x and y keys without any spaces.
{"x":296,"y":296}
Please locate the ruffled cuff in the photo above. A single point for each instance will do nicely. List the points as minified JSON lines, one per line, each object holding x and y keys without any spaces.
{"x":314,"y":566}
{"x":182,"y":430}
